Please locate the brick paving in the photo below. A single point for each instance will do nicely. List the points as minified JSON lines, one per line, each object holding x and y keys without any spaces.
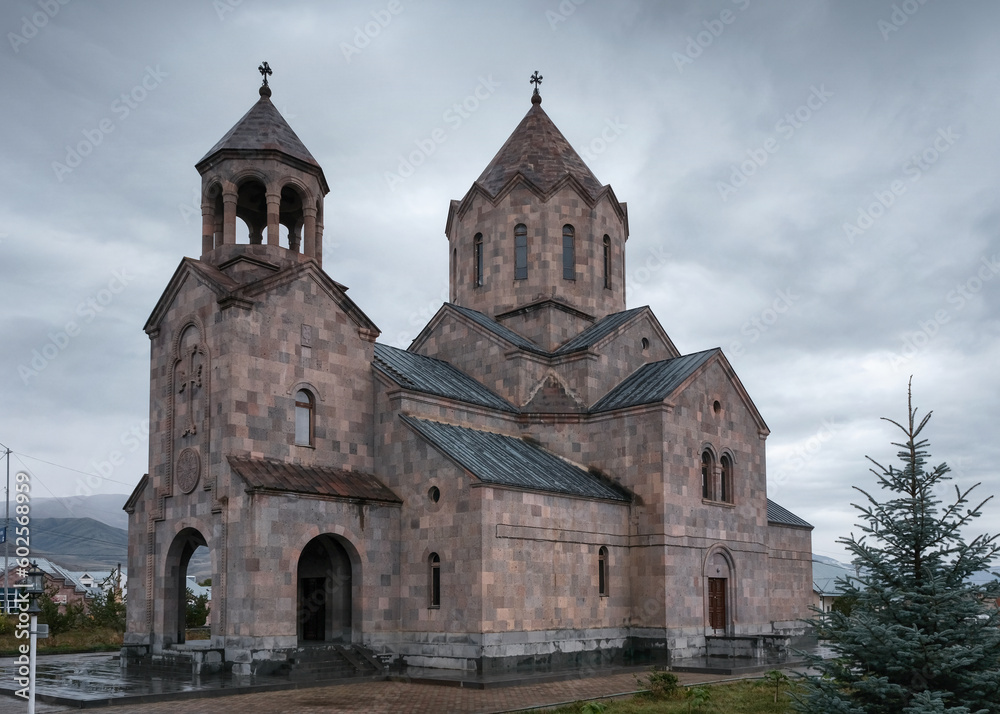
{"x":385,"y":698}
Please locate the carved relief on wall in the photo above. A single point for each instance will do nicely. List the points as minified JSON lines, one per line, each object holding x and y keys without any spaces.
{"x":188,"y":470}
{"x":189,"y":408}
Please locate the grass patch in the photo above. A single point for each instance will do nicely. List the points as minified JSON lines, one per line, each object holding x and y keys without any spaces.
{"x":746,"y":697}
{"x":97,"y":639}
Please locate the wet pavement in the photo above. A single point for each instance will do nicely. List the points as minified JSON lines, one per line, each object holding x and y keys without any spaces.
{"x":69,"y":682}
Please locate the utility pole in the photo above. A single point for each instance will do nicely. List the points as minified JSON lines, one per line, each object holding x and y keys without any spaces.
{"x":6,"y":545}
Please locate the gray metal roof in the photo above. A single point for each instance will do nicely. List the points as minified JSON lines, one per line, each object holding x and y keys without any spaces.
{"x":504,"y":333}
{"x":434,"y":376}
{"x":777,"y":514}
{"x":599,"y":330}
{"x":507,"y":460}
{"x":652,"y":382}
{"x":827,"y":575}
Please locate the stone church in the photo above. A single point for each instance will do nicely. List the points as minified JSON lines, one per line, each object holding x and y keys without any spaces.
{"x":541,"y":478}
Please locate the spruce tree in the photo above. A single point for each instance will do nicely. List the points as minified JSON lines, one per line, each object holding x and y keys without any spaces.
{"x":920,"y":638}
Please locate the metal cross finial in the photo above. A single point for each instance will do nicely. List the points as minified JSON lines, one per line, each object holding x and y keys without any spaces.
{"x":536,"y":79}
{"x":264,"y":70}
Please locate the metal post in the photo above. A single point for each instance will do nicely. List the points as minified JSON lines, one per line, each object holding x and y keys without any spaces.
{"x":6,"y":546}
{"x":31,"y":662}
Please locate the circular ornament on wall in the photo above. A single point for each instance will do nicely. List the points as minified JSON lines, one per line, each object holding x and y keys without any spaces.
{"x":188,"y":470}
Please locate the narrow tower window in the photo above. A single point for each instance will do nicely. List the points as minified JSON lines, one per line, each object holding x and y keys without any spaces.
{"x":435,"y":580}
{"x":707,"y":467}
{"x":304,"y":418}
{"x":602,"y":571}
{"x":478,"y":242}
{"x":520,"y":251}
{"x":607,"y":262}
{"x":569,"y":254}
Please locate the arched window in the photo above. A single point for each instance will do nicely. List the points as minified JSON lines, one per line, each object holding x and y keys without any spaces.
{"x":435,"y":580}
{"x":304,"y":426}
{"x":707,"y":471}
{"x":478,"y":243}
{"x":520,"y":251}
{"x":602,"y":572}
{"x":607,"y":262}
{"x":569,"y":253}
{"x":726,"y":483}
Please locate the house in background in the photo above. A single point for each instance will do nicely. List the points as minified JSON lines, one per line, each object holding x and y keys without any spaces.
{"x":70,"y":586}
{"x":826,"y":591}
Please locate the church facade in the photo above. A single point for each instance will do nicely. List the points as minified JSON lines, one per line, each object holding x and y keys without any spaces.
{"x":542,"y":477}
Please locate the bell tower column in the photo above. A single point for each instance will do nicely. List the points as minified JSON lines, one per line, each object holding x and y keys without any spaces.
{"x":229,"y":199}
{"x":309,"y":213}
{"x":273,"y":211}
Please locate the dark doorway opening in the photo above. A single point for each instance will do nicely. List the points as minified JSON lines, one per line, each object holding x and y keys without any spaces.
{"x":717,"y":603}
{"x":325,"y":602}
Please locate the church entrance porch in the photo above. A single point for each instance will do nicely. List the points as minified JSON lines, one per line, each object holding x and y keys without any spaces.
{"x":176,"y":584}
{"x":325,"y":591}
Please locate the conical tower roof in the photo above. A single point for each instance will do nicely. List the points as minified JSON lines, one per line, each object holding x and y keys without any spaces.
{"x":263,"y":129}
{"x":540,"y":153}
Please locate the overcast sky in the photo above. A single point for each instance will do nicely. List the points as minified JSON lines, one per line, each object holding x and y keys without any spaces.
{"x":812,"y":186}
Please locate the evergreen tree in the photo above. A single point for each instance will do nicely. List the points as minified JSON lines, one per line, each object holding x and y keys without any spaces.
{"x":920,"y":638}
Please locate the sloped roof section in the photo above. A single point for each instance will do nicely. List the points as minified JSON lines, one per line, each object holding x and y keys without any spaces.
{"x":501,"y":331}
{"x":827,"y":575}
{"x":598,"y":331}
{"x":509,"y":461}
{"x":434,"y":376}
{"x":782,"y":516}
{"x":267,"y":475}
{"x":262,"y":129}
{"x":653,"y":382}
{"x":541,"y":154}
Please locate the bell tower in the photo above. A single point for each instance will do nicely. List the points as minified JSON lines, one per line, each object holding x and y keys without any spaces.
{"x":262,"y":174}
{"x":538,"y":243}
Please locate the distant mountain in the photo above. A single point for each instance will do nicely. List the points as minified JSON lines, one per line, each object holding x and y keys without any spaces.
{"x":106,"y":508}
{"x":88,"y":544}
{"x":78,"y":543}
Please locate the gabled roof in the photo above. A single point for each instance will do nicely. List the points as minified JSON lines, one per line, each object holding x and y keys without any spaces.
{"x":231,"y":291}
{"x":782,"y":516}
{"x":278,"y":476}
{"x":826,"y":575}
{"x":509,"y":461}
{"x":263,"y":129}
{"x":501,"y":331}
{"x":653,"y":382}
{"x":434,"y":376}
{"x":539,"y":152}
{"x":599,"y":330}
{"x":583,"y":341}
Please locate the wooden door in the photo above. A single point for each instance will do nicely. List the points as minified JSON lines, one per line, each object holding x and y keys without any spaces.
{"x":717,"y":603}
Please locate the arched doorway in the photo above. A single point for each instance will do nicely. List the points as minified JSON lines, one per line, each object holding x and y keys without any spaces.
{"x":718,"y":605}
{"x":184,"y":546}
{"x":325,"y":584}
